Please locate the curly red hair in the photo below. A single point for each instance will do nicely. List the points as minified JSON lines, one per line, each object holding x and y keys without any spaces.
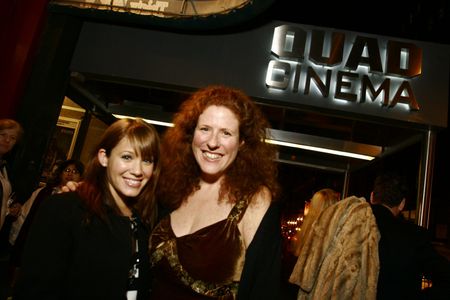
{"x":253,"y":168}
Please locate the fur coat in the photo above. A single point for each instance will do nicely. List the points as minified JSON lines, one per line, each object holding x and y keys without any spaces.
{"x":340,"y":256}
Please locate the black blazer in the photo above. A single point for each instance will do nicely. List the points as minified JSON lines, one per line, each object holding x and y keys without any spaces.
{"x":406,"y":253}
{"x":65,"y":258}
{"x":261,"y":276}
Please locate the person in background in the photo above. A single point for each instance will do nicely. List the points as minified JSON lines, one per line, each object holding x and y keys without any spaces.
{"x":10,"y":133}
{"x":405,"y":249}
{"x":63,"y":172}
{"x":319,"y":201}
{"x":92,"y":243}
{"x":222,"y":239}
{"x":337,"y":251}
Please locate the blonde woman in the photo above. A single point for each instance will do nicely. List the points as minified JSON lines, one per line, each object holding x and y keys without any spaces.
{"x":319,"y":201}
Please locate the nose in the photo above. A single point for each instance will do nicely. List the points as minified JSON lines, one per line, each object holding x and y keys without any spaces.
{"x":136,"y":168}
{"x":213,"y":141}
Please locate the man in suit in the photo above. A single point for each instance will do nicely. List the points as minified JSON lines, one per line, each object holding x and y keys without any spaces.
{"x":405,"y":250}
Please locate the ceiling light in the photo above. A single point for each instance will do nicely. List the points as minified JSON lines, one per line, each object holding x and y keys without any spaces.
{"x":323,"y":144}
{"x":319,"y":149}
{"x":154,"y":122}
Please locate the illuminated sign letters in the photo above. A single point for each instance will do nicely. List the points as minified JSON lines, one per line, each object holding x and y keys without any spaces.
{"x":351,"y":70}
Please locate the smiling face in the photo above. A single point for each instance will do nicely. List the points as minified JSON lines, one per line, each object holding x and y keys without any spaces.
{"x":127,"y":172}
{"x":216,"y":140}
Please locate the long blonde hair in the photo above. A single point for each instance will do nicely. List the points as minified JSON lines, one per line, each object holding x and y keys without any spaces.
{"x":318,"y":203}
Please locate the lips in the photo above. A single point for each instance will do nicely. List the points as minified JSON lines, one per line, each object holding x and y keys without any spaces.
{"x":211,"y":156}
{"x":133,"y":182}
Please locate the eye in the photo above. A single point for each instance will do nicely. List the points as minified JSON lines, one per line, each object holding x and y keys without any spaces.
{"x":126,"y":156}
{"x":12,"y":138}
{"x":148,"y":161}
{"x":227,"y":133}
{"x":204,"y":129}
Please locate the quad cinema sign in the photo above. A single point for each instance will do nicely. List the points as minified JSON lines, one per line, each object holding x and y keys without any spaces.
{"x":330,"y":65}
{"x":291,"y":65}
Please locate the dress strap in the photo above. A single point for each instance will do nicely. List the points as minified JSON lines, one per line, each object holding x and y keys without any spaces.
{"x":238,"y":210}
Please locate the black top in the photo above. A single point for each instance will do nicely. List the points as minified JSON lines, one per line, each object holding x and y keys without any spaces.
{"x":67,"y":258}
{"x":406,"y":254}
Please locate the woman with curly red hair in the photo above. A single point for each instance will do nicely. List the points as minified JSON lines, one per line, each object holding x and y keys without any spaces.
{"x":219,"y":179}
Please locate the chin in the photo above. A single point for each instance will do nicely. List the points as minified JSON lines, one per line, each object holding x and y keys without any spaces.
{"x":131,"y":193}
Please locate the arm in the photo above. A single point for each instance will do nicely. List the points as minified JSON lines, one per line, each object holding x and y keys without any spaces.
{"x":17,"y":225}
{"x":47,"y":251}
{"x":261,"y":276}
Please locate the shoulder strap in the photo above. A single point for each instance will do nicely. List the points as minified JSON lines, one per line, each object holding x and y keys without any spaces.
{"x":238,"y":210}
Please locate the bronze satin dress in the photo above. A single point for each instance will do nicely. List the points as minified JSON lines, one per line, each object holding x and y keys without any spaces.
{"x":206,"y":264}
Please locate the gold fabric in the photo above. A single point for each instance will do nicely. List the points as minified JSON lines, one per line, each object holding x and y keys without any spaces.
{"x":206,"y":264}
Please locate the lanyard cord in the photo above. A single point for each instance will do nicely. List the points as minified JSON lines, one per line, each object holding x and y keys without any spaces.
{"x":133,"y":273}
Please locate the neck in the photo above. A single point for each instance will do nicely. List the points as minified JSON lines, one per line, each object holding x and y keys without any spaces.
{"x":394,"y":210}
{"x":211,"y":179}
{"x":121,"y":204}
{"x":125,"y":210}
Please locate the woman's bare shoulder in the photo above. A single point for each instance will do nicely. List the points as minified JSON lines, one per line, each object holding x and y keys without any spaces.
{"x":261,"y":200}
{"x":254,"y":214}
